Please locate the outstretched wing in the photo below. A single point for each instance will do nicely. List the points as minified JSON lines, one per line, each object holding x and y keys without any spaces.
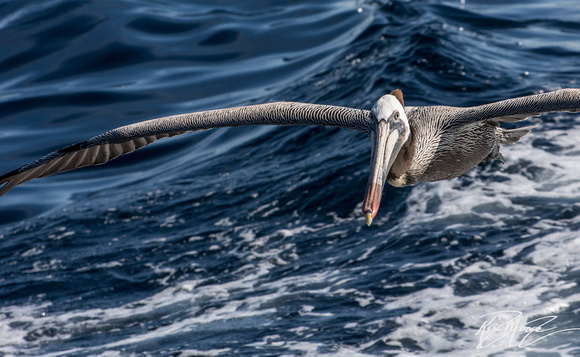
{"x":516,"y":109}
{"x":105,"y":147}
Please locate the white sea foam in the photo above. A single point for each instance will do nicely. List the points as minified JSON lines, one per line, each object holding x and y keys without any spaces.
{"x":168,"y":301}
{"x":434,"y":310}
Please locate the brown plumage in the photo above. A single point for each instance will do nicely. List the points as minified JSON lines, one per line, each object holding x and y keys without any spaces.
{"x":439,"y":148}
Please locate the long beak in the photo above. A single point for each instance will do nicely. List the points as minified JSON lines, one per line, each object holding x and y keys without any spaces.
{"x":386,"y":146}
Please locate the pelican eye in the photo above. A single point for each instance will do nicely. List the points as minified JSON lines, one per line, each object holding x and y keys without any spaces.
{"x":397,"y":115}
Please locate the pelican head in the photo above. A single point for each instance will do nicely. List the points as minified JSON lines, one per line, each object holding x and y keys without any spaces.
{"x":389,"y":131}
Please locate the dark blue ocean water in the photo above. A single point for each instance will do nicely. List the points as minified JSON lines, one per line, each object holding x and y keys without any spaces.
{"x":249,"y":241}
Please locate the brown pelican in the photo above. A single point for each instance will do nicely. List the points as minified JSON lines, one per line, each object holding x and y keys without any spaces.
{"x":409,"y":144}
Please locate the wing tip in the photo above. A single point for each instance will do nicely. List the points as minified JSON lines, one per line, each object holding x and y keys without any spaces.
{"x":7,"y":181}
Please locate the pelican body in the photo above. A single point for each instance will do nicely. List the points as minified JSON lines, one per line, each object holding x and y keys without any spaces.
{"x":409,"y":144}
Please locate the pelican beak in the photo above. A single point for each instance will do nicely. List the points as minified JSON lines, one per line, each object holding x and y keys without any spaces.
{"x":387,"y":142}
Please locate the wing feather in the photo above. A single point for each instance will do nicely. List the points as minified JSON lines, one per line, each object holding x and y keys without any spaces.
{"x":139,"y":143}
{"x":128,"y":147}
{"x":112,"y":144}
{"x":516,"y":109}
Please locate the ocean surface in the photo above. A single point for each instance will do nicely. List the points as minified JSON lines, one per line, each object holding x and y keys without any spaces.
{"x":250,"y":241}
